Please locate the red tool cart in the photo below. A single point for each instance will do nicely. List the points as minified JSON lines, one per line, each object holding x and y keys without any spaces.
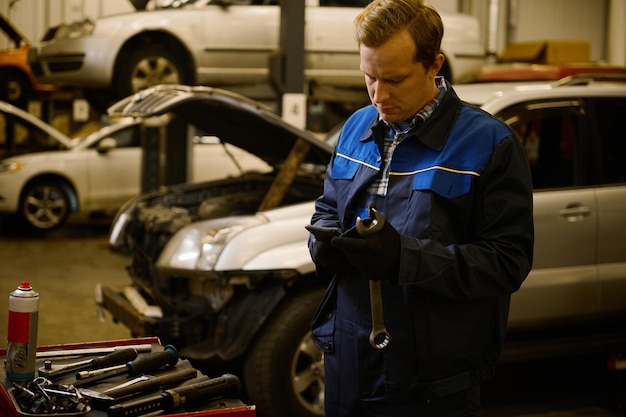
{"x":129,"y":378}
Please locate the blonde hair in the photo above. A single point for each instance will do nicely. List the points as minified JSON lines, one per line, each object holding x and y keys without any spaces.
{"x":381,"y":19}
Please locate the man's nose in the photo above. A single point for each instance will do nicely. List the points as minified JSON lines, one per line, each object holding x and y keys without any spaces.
{"x":380,"y":93}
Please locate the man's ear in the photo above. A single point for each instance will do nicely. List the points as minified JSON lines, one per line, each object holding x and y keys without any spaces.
{"x":436,"y":66}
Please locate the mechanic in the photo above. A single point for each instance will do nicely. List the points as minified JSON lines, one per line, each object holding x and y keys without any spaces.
{"x":453,"y":187}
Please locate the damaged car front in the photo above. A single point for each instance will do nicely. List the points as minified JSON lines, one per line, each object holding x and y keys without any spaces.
{"x":216,"y":267}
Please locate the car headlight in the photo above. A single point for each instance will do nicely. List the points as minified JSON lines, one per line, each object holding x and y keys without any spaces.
{"x":124,"y":216}
{"x":199,"y":245}
{"x":75,"y":30}
{"x":118,"y":227}
{"x":11,"y":166}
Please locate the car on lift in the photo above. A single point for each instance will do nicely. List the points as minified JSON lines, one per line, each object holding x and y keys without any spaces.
{"x":46,"y":175}
{"x":233,"y":282}
{"x":17,"y":81}
{"x":224,"y":43}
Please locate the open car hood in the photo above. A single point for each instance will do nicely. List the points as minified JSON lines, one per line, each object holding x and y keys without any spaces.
{"x":233,"y":118}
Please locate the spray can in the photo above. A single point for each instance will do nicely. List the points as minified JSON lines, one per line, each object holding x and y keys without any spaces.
{"x":22,"y":333}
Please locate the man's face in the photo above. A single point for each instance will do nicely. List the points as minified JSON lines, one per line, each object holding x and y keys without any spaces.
{"x":398,"y":85}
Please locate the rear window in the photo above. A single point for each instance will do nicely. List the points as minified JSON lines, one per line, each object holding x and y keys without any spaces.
{"x":549,"y":132}
{"x":572,"y":142}
{"x":612,"y":136}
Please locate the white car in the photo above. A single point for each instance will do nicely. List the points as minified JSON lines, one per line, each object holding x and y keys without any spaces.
{"x":53,"y":175}
{"x":223,"y":43}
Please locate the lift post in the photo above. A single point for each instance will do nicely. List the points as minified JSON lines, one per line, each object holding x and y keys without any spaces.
{"x":287,"y":63}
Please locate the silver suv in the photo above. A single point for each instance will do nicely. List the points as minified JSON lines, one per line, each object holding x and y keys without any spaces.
{"x":575,"y":139}
{"x":240,"y":287}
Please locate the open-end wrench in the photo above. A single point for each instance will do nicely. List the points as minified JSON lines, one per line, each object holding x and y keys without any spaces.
{"x":379,"y":337}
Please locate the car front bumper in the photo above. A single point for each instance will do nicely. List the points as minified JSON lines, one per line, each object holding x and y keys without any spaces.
{"x":124,"y":312}
{"x":83,"y":62}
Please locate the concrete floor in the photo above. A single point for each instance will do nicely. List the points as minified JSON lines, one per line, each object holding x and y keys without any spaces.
{"x":64,"y":271}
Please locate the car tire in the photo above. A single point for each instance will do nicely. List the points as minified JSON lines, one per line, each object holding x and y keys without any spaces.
{"x":144,"y":67}
{"x":15,"y":88}
{"x":284,"y":371}
{"x":45,"y":205}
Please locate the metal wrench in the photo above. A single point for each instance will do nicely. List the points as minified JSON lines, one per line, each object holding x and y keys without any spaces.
{"x":50,"y":370}
{"x":379,"y":337}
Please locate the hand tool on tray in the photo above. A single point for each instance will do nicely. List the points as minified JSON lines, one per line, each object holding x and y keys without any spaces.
{"x":143,"y":347}
{"x":144,"y":363}
{"x":117,"y":357}
{"x":186,"y":395}
{"x":145,"y":384}
{"x":379,"y":337}
{"x":42,"y":397}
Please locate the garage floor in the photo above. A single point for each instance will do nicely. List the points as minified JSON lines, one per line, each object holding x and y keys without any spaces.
{"x":65,"y":267}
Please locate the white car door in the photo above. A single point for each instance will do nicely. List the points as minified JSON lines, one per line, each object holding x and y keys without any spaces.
{"x":234,"y":41}
{"x":610,"y":140}
{"x":114,"y":175}
{"x":611,"y":253}
{"x":563,"y":282}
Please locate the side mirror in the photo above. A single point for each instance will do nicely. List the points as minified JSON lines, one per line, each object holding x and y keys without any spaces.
{"x":105,"y":145}
{"x":139,"y":4}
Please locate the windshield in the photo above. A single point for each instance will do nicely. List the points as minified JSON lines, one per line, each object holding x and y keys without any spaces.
{"x":100,"y":128}
{"x":85,"y":130}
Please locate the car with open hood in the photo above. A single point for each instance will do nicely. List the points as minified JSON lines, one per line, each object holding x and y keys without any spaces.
{"x":222,"y":269}
{"x":241,"y":304}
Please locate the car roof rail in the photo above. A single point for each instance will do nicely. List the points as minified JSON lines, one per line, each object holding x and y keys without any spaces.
{"x":585,"y":79}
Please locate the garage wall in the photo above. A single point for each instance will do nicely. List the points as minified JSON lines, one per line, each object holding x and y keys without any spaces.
{"x":531,"y":20}
{"x":616,"y":43}
{"x":33,"y":17}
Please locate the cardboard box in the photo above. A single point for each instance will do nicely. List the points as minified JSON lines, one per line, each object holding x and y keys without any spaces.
{"x":548,"y":52}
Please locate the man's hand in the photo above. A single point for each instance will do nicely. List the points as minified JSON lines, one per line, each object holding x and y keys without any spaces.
{"x":376,"y":257}
{"x":332,"y":259}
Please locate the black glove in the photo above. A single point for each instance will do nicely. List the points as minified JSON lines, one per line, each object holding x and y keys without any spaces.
{"x":376,"y":257}
{"x":332,"y":259}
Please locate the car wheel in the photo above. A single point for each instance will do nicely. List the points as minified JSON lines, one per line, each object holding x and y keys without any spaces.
{"x":145,"y":67}
{"x":45,"y":205}
{"x":15,"y":88}
{"x":284,"y":371}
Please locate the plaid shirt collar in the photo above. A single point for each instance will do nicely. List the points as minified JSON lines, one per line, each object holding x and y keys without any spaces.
{"x":403,"y":128}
